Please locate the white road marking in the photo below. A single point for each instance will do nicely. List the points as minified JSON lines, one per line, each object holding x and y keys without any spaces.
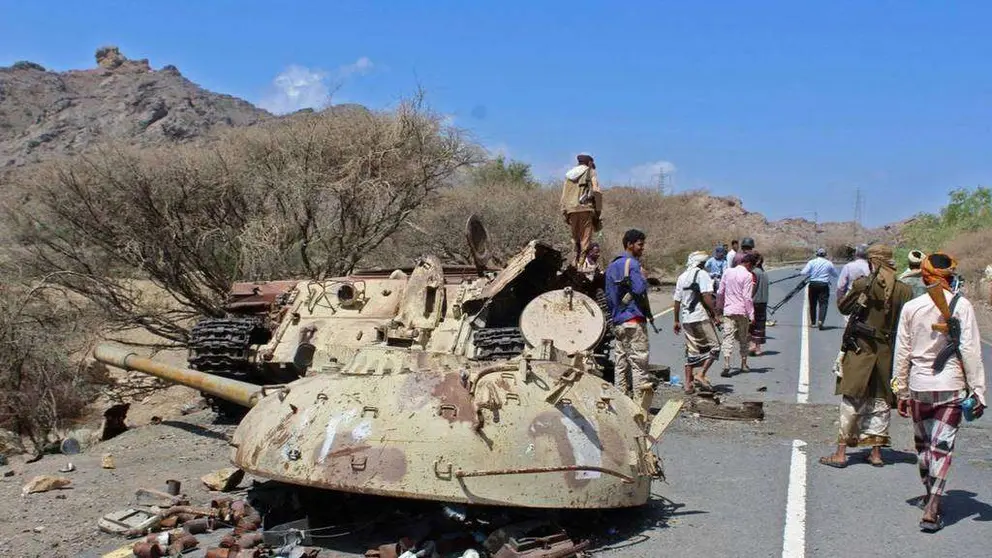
{"x":663,"y":312}
{"x":794,"y":535}
{"x":802,"y":393}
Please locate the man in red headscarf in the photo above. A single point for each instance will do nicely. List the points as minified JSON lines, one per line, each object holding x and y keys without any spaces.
{"x":933,"y":375}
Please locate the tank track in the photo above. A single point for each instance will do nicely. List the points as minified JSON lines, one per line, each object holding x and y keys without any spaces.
{"x":496,"y":343}
{"x":220,"y":346}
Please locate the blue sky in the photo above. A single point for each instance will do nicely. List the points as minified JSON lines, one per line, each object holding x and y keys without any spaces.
{"x":791,"y":106}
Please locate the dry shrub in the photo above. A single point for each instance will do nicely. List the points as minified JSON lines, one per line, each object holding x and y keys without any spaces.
{"x":973,"y":250}
{"x":305,"y":196}
{"x":41,"y":390}
{"x":513,"y":217}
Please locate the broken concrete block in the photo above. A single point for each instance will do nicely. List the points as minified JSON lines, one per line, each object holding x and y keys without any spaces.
{"x":223,"y":480}
{"x":44,"y":483}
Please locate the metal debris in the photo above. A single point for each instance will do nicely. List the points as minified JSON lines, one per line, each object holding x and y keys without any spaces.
{"x":715,"y":409}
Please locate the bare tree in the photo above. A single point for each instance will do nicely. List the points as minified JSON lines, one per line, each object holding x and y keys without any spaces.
{"x":40,"y":389}
{"x":305,"y":196}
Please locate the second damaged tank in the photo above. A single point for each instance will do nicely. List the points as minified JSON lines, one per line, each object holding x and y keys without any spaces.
{"x":458,"y":388}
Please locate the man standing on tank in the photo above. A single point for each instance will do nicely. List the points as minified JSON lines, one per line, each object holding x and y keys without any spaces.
{"x":582,"y":204}
{"x":625,"y":284}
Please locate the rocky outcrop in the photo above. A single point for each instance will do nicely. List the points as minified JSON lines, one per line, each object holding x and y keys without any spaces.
{"x":45,"y":113}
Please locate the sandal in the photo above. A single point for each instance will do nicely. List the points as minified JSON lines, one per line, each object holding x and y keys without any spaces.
{"x":829,"y":462}
{"x":932,"y":526}
{"x":704,"y":385}
{"x":879,"y":463}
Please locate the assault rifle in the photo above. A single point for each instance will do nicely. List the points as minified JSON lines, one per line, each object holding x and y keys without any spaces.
{"x":641,"y":300}
{"x":856,"y":326}
{"x":785,"y":278}
{"x":802,"y":284}
{"x":951,"y":326}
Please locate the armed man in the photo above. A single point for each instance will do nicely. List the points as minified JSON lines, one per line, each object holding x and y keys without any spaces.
{"x":582,"y":205}
{"x":874,"y":304}
{"x":694,"y":308}
{"x":627,"y":298}
{"x":939,"y":376}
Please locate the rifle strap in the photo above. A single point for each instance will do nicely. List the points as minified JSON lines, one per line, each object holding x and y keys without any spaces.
{"x":695,"y":283}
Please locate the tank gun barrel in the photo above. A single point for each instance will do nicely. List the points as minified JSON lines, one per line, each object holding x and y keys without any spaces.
{"x":241,"y":393}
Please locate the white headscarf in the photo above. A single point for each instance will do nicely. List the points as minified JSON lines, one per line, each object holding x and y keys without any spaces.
{"x":696,"y":258}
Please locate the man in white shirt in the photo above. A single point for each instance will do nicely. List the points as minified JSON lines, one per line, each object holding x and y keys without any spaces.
{"x":937,"y":366}
{"x":694,"y":310}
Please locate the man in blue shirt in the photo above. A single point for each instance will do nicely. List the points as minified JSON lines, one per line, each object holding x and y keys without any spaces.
{"x":624,"y":282}
{"x":716,"y":265}
{"x":820,"y":271}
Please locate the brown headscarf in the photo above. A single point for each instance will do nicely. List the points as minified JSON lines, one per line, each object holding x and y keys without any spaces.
{"x":937,"y":269}
{"x":880,"y":258}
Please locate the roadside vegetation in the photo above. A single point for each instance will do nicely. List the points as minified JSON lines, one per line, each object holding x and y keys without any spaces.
{"x":963,"y":228}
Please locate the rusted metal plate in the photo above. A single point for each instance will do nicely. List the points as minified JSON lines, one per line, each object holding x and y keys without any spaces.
{"x":535,"y":253}
{"x":716,"y":409}
{"x":481,"y":436}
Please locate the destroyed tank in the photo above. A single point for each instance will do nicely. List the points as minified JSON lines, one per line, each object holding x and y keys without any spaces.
{"x":454,"y":385}
{"x":274,"y":331}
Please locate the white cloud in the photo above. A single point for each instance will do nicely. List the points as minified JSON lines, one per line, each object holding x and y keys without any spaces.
{"x":361,"y":67}
{"x":648,"y":174}
{"x":299,"y":87}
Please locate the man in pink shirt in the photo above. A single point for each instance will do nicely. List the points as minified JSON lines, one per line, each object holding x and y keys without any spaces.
{"x":735,"y":302}
{"x":937,"y":367}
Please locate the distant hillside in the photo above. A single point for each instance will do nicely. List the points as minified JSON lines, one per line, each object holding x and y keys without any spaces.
{"x":44,"y":113}
{"x":729,"y":214}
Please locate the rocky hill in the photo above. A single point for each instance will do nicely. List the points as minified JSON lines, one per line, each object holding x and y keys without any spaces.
{"x":43,"y":113}
{"x":801,"y":233}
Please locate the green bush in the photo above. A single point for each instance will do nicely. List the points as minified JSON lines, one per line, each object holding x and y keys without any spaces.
{"x":967,"y":211}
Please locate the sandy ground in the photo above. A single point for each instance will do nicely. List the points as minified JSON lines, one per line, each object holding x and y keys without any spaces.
{"x":63,"y":522}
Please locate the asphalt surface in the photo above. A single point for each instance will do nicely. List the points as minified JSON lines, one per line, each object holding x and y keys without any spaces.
{"x":730,"y":484}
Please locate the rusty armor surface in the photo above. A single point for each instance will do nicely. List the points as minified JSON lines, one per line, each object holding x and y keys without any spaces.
{"x":419,"y":425}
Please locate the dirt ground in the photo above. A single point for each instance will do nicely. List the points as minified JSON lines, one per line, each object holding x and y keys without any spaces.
{"x":64,"y":522}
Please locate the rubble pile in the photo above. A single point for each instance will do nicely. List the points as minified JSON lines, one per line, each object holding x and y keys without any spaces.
{"x":269,"y":521}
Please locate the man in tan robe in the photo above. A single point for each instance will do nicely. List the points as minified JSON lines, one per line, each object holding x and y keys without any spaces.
{"x":581,"y":204}
{"x":865,"y":373}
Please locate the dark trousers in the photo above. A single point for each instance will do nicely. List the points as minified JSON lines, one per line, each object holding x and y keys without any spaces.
{"x":819,"y":297}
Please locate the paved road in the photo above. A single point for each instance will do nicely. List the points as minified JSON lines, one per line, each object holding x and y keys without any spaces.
{"x":731,"y":485}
